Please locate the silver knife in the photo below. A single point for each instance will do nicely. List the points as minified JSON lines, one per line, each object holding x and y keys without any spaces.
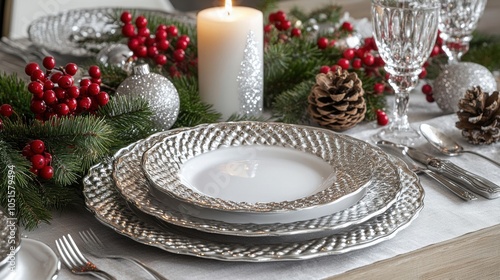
{"x":452,"y":186}
{"x":473,"y":182}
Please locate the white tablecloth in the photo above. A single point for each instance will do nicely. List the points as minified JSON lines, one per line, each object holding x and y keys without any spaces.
{"x":443,"y":218}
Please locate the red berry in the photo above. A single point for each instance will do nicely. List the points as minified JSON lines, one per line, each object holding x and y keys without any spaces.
{"x":360,"y":52}
{"x":152,"y":51}
{"x":286,"y":24}
{"x":38,"y":75}
{"x":84,"y":103}
{"x":296,"y":32}
{"x":6,"y":110}
{"x":279,"y":16}
{"x":429,"y":98}
{"x":162,"y":27}
{"x":161,"y":59}
{"x":62,"y":109}
{"x":143,"y":32}
{"x":35,"y":87}
{"x":378,"y":88}
{"x":181,"y":44}
{"x":141,"y":51}
{"x":73,"y":92}
{"x":172,"y":31}
{"x":60,"y":93}
{"x":48,"y":158}
{"x":344,"y":63}
{"x":55,"y":77}
{"x":102,"y":98}
{"x":368,"y":59}
{"x":72,"y":104}
{"x":71,"y":69}
{"x":357,"y":63}
{"x":382,"y":118}
{"x":47,"y":172}
{"x":30,"y":67}
{"x":335,"y":67}
{"x":128,"y":30}
{"x":37,"y":146}
{"x":268,"y":28}
{"x":93,"y":89}
{"x":427,"y":89}
{"x":272,"y":17}
{"x":322,"y":43}
{"x":37,"y":161}
{"x":163,"y":45}
{"x":49,"y":96}
{"x":141,"y":22}
{"x":49,"y":62}
{"x":94,"y":71}
{"x":349,"y":54}
{"x":126,"y":17}
{"x":48,"y":84}
{"x":27,"y":152}
{"x":347,"y":26}
{"x":65,"y":81}
{"x":324,"y":69}
{"x":160,"y":35}
{"x":96,"y":81}
{"x":85,"y":82}
{"x":179,"y":55}
{"x":423,"y":74}
{"x":435,"y":51}
{"x":379,"y":62}
{"x":370,"y":43}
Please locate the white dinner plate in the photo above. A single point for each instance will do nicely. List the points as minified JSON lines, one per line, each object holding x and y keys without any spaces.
{"x":259,"y":172}
{"x":34,"y":260}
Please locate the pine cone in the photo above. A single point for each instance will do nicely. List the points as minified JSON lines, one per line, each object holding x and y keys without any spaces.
{"x":479,"y":116}
{"x":336,"y":100}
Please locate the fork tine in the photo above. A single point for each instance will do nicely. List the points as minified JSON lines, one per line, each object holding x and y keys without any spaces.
{"x":74,"y":251}
{"x":61,"y":249}
{"x":95,"y":238}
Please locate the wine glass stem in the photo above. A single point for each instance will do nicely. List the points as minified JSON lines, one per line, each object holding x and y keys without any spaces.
{"x":402,"y":86}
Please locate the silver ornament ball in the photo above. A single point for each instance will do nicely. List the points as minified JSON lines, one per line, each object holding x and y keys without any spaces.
{"x":450,"y":86}
{"x":160,"y":93}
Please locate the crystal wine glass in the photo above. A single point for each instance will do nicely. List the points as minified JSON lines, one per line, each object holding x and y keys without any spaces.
{"x":457,"y":20}
{"x":405,"y":32}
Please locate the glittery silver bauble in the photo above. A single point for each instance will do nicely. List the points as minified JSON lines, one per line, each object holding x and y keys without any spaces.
{"x":160,"y":93}
{"x":451,"y":85}
{"x":115,"y":55}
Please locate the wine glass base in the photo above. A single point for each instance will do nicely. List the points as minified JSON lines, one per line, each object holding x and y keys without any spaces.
{"x":407,"y":137}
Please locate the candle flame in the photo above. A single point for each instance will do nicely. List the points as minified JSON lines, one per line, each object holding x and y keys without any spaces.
{"x":229,"y":7}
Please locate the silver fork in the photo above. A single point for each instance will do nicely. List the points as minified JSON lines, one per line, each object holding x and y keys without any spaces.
{"x":76,"y":261}
{"x":94,"y":246}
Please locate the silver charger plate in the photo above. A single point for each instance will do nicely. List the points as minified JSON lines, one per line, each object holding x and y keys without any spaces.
{"x":133,"y":186}
{"x":163,"y":162}
{"x":63,"y":33}
{"x":111,"y":209}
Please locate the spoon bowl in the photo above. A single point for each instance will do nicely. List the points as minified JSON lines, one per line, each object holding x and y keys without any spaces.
{"x":445,"y":144}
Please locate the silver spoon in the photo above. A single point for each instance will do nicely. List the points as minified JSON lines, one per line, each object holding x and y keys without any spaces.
{"x":445,"y":144}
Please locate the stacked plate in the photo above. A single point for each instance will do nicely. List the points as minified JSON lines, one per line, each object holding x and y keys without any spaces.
{"x":252,"y":191}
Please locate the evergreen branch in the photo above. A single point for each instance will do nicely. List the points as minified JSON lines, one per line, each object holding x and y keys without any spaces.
{"x":192,"y":110}
{"x":13,"y":91}
{"x":129,"y":117}
{"x":291,"y":105}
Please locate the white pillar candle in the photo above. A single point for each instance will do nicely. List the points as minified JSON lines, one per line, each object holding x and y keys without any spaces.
{"x":223,"y":39}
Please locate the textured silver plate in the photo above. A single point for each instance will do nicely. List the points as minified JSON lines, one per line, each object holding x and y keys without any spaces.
{"x":133,"y":186}
{"x":63,"y":33}
{"x":162,"y":163}
{"x":105,"y":202}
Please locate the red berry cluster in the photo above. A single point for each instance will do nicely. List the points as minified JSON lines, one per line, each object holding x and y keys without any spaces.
{"x":382,"y":118}
{"x":163,"y":47}
{"x":345,"y":29}
{"x":363,"y":58}
{"x":54,"y":92}
{"x":5,"y":111}
{"x":280,"y":27}
{"x":40,"y":159}
{"x":437,"y":50}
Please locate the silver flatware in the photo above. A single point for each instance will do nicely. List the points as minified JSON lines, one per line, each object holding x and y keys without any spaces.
{"x":446,"y":145}
{"x":76,"y":261}
{"x":417,"y":168}
{"x":94,"y":246}
{"x":471,"y":181}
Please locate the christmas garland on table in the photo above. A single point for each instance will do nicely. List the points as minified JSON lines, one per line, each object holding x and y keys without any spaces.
{"x":70,"y":140}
